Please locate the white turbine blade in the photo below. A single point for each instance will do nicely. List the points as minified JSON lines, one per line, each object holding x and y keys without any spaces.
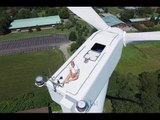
{"x":142,"y":37}
{"x":90,"y":16}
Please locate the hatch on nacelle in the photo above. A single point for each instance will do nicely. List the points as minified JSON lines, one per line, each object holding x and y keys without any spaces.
{"x":94,"y":52}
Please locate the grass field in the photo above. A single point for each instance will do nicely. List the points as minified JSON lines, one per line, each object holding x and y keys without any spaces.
{"x":15,"y":36}
{"x":137,"y":58}
{"x":18,"y":72}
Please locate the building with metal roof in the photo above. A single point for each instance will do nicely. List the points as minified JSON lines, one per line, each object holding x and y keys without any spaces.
{"x":112,"y":20}
{"x":130,"y":8}
{"x":42,"y":22}
{"x":139,"y":19}
{"x":100,"y":10}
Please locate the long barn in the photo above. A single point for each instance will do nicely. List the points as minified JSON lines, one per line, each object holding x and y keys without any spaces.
{"x":23,"y":25}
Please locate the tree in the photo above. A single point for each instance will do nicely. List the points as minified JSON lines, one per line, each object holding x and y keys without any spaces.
{"x":121,"y":92}
{"x":68,"y":24}
{"x":12,"y":11}
{"x":157,"y":73}
{"x":96,"y":9}
{"x":85,"y":30}
{"x":38,"y":28}
{"x":74,"y":46}
{"x":106,"y":10}
{"x":51,"y":12}
{"x":143,"y":11}
{"x":72,"y":36}
{"x":80,"y":40}
{"x":34,"y":13}
{"x":113,"y":86}
{"x":5,"y":21}
{"x":158,"y":10}
{"x":80,"y":32}
{"x":93,"y":30}
{"x":64,"y":13}
{"x":23,"y":13}
{"x":120,"y":106}
{"x":158,"y":18}
{"x":72,"y":19}
{"x":126,"y":15}
{"x":152,"y":19}
{"x":149,"y":93}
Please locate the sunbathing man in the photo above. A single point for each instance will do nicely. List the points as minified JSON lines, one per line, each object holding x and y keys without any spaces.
{"x":73,"y":73}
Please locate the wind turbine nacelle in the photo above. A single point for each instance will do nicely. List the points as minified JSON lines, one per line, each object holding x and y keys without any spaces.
{"x":102,"y":51}
{"x":97,"y":58}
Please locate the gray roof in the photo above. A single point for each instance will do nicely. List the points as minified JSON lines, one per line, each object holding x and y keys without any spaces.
{"x":112,"y":20}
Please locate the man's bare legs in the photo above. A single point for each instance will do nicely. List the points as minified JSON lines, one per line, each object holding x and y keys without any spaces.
{"x":68,"y":76}
{"x":71,"y":77}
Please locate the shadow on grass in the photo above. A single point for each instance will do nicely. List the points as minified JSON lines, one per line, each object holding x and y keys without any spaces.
{"x":122,"y":99}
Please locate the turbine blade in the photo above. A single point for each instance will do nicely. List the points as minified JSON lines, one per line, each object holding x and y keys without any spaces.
{"x":142,"y":37}
{"x":90,"y":16}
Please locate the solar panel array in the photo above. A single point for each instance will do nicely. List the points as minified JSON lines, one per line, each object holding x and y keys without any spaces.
{"x":32,"y":44}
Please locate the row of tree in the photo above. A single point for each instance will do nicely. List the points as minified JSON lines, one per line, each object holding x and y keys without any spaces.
{"x":139,"y":13}
{"x":31,"y":12}
{"x":130,"y":93}
{"x":26,"y":101}
{"x":5,"y":21}
{"x":79,"y":36}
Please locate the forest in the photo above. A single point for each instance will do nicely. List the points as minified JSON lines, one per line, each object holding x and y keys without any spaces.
{"x":135,"y":93}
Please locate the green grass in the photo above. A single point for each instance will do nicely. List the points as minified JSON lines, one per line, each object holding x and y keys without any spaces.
{"x":55,"y":107}
{"x":14,"y":36}
{"x":18,"y":71}
{"x":69,"y":51}
{"x":107,"y":106}
{"x":137,"y":58}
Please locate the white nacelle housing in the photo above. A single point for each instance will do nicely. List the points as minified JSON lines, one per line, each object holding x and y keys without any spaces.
{"x":96,"y":59}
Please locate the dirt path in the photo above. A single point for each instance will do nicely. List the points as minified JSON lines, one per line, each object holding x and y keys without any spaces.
{"x":63,"y":48}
